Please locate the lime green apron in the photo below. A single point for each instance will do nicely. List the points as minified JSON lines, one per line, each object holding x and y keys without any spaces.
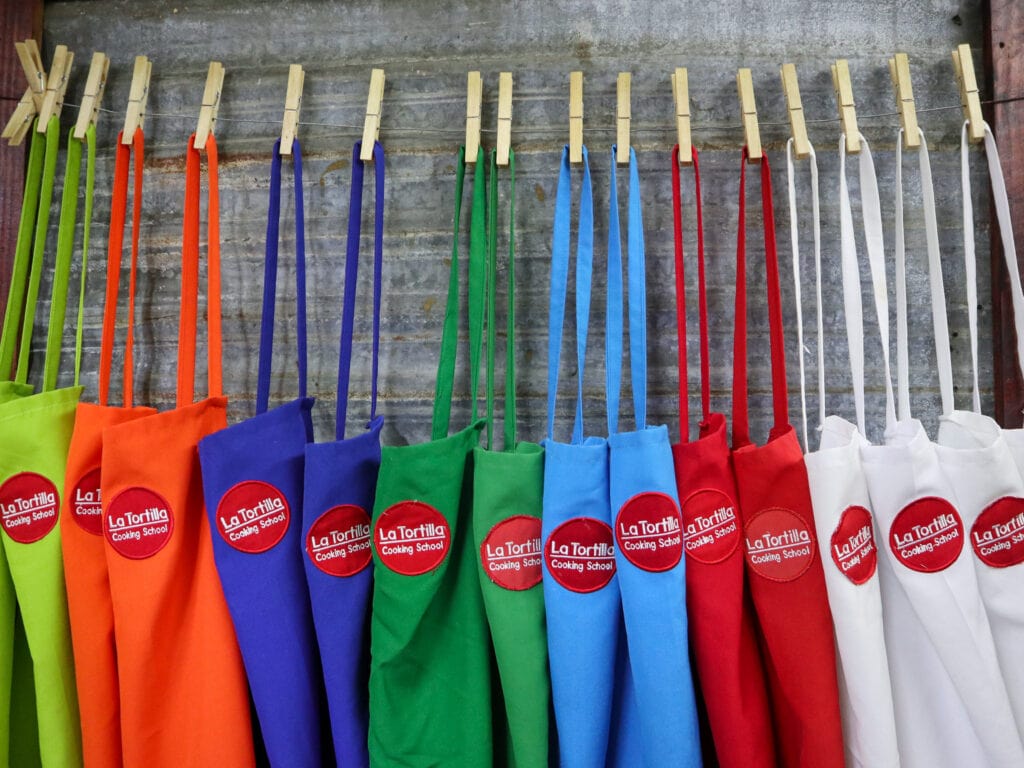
{"x":507,"y":492}
{"x":34,"y":435}
{"x":430,"y":669}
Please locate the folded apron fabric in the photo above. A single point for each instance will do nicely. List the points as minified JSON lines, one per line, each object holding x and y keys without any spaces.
{"x":338,"y":490}
{"x":183,"y":694}
{"x":430,"y":655}
{"x":986,"y":484}
{"x":252,"y":485}
{"x":787,"y":582}
{"x":508,"y":488}
{"x":721,"y":617}
{"x":942,"y":657}
{"x":648,"y":524}
{"x":842,"y":509}
{"x":85,"y":563}
{"x":36,"y":430}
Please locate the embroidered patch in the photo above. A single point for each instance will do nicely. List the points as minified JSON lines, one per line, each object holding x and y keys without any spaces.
{"x":711,"y":531}
{"x":853,"y":545}
{"x":927,"y":535}
{"x":648,"y":532}
{"x":998,"y":534}
{"x":510,"y":553}
{"x":412,"y":538}
{"x":253,"y":516}
{"x":86,"y":505}
{"x":779,"y":544}
{"x":338,"y":542}
{"x":580,"y":554}
{"x":29,"y":505}
{"x":138,"y":523}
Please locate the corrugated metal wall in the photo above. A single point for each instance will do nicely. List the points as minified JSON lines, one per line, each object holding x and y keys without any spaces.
{"x":426,"y":49}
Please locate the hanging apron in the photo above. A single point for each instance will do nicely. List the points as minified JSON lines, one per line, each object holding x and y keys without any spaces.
{"x":722,"y":625}
{"x":987,"y":467}
{"x":507,"y":495}
{"x":36,"y":431}
{"x":942,"y":657}
{"x":786,"y":579}
{"x":183,"y":692}
{"x":648,"y":524}
{"x":340,"y":480}
{"x":252,"y":486}
{"x":85,"y":564}
{"x":430,"y":656}
{"x":842,"y":510}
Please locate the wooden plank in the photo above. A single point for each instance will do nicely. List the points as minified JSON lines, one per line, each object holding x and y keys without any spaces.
{"x":1005,"y":59}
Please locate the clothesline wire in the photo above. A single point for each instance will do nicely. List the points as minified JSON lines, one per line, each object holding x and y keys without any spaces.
{"x":534,"y":130}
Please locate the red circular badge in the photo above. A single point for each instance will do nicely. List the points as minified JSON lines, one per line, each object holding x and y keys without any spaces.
{"x":138,"y":523}
{"x":648,"y":531}
{"x":338,"y":543}
{"x":412,"y":538}
{"x":510,"y":553}
{"x":580,"y":554}
{"x":853,"y":545}
{"x":711,"y":531}
{"x":29,"y":506}
{"x":927,"y":535}
{"x":253,"y":516}
{"x":780,"y":545}
{"x":998,"y":534}
{"x":86,"y":509}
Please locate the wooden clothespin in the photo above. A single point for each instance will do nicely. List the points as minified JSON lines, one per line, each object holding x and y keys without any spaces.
{"x":371,"y":127}
{"x":847,"y":109}
{"x":56,"y":86}
{"x":138,"y":95}
{"x":899,"y":71}
{"x":575,"y":117}
{"x":474,"y":98}
{"x":31,"y":102}
{"x":21,"y":120}
{"x":622,"y":117}
{"x":970,"y":100}
{"x":95,"y":84}
{"x":211,"y":104}
{"x":681,"y":96}
{"x":292,"y":105}
{"x":504,"y":117}
{"x":748,"y":109}
{"x":795,"y":108}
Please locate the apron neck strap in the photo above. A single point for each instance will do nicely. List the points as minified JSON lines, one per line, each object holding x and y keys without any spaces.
{"x":190,"y":277}
{"x":780,"y":407}
{"x":14,"y":314}
{"x":270,"y":267}
{"x":794,"y":232}
{"x":613,"y":330}
{"x":477,"y":292}
{"x":355,"y":210}
{"x":65,"y":249}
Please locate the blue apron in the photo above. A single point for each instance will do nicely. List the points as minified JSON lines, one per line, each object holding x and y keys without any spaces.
{"x":341,"y":478}
{"x":252,"y":483}
{"x":648,"y":524}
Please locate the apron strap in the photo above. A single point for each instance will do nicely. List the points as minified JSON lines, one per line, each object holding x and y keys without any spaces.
{"x":780,"y":407}
{"x":14,"y":312}
{"x":270,"y":265}
{"x":190,"y":277}
{"x":65,"y":249}
{"x":938,"y":297}
{"x":355,"y":209}
{"x":509,"y":420}
{"x":614,"y":305}
{"x":115,"y":247}
{"x":794,"y":232}
{"x":477,"y":296}
{"x":39,"y":250}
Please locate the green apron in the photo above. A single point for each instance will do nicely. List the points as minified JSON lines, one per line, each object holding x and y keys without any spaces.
{"x":507,"y":491}
{"x":34,"y":435}
{"x":430,"y":669}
